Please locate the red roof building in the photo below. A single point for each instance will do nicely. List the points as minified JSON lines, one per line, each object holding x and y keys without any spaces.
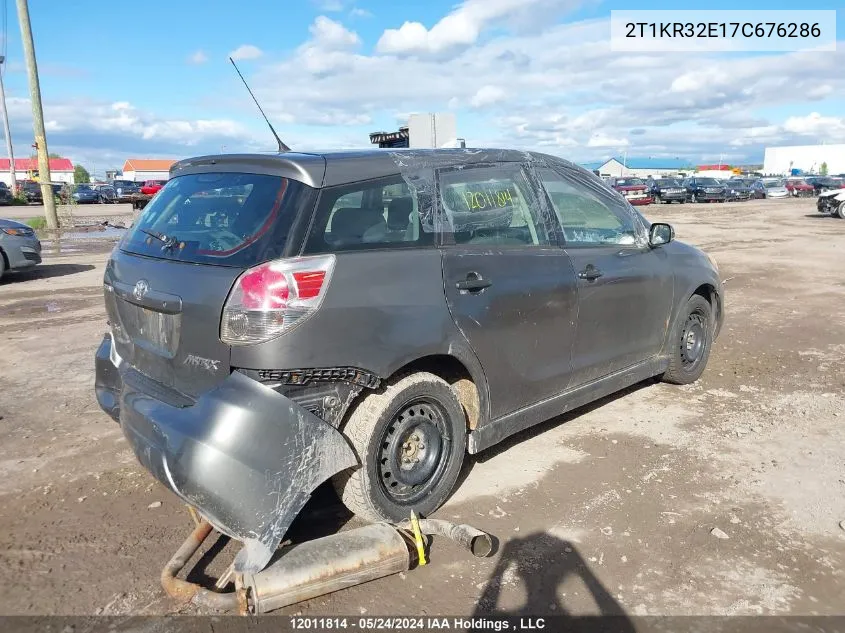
{"x":25,"y":164}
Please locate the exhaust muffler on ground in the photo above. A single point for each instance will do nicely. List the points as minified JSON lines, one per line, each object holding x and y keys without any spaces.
{"x":315,"y":568}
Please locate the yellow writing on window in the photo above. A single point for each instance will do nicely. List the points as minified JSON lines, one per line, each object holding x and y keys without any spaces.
{"x":490,"y":198}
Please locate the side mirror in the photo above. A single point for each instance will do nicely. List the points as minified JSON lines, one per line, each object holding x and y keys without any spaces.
{"x":660,"y":233}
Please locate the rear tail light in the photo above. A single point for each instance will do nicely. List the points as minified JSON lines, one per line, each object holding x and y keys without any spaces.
{"x":270,"y":299}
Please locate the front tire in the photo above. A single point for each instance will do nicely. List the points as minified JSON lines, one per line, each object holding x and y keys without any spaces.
{"x":840,"y":211}
{"x":690,"y":342}
{"x":410,"y":440}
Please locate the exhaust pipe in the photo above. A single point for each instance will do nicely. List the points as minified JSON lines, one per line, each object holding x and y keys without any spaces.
{"x":315,"y":568}
{"x":326,"y":565}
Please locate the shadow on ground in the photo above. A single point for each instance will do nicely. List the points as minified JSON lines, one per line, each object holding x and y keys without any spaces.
{"x":546,"y":567}
{"x":45,"y":271}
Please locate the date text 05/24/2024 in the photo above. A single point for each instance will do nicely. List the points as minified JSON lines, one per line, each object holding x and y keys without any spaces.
{"x":417,"y":623}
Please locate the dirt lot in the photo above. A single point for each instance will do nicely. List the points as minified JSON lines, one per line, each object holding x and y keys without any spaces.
{"x":610,"y":509}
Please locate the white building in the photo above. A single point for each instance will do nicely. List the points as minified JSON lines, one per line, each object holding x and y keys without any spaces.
{"x":807,"y":158}
{"x":61,"y":170}
{"x":641,"y":167}
{"x":141,"y":169}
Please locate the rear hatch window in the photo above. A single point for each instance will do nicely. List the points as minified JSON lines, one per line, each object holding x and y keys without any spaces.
{"x":222,"y":218}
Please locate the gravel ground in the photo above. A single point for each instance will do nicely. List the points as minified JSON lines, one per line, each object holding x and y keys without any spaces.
{"x":720,"y":498}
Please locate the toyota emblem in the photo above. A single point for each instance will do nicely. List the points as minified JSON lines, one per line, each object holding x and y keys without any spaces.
{"x":141,"y":289}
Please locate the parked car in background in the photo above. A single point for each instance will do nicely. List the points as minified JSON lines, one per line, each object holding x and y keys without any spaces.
{"x":31,"y":191}
{"x":832,"y":202}
{"x":703,"y":189}
{"x":152,"y":187}
{"x":738,"y":189}
{"x":799,"y":187}
{"x":125,"y":189}
{"x":106,"y":192}
{"x":6,"y":197}
{"x":230,"y":368}
{"x":667,"y":190}
{"x":758,"y":189}
{"x":20,"y":249}
{"x":634,"y":189}
{"x":823,"y":183}
{"x":84,"y":194}
{"x":775,"y":188}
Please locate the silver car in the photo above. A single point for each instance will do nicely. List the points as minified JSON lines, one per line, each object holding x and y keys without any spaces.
{"x":19,"y":248}
{"x":776,"y":188}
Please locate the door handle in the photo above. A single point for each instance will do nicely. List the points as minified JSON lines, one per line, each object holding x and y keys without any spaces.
{"x":473,"y":283}
{"x":590,"y":273}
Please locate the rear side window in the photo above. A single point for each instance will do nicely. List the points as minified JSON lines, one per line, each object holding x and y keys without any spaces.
{"x":368,"y":215}
{"x":491,"y":206}
{"x":230,"y":219}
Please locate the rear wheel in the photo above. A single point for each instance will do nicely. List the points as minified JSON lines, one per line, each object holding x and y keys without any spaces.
{"x":690,"y":342}
{"x":410,"y":440}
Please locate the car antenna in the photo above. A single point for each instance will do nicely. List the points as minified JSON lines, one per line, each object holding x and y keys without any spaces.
{"x":282,"y":147}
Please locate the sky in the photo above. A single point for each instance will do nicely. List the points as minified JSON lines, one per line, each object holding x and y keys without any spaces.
{"x":530,"y":74}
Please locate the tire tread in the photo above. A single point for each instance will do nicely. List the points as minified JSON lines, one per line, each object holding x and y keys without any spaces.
{"x":351,"y":485}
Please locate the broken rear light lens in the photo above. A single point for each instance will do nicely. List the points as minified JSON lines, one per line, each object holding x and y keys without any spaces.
{"x":270,"y":299}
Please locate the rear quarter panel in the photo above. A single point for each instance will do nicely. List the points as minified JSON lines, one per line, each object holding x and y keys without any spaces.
{"x":382,"y":311}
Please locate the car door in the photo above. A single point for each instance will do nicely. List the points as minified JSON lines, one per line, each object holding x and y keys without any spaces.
{"x":510,"y":289}
{"x":625,"y":288}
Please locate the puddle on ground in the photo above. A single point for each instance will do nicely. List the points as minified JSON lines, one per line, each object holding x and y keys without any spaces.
{"x":95,"y":233}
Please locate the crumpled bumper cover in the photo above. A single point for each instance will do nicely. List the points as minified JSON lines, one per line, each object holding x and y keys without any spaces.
{"x":244,"y":455}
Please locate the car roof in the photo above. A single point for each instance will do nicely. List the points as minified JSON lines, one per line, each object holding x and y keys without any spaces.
{"x":338,"y":167}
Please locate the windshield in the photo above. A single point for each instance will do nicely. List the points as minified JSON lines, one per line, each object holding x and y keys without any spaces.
{"x":667,"y":182}
{"x":83,"y":187}
{"x":707,"y":181}
{"x":771,"y":184}
{"x":230,"y":219}
{"x":123,"y":183}
{"x":797,"y":181}
{"x":629,"y":182}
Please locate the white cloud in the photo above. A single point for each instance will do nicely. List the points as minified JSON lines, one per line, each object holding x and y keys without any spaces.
{"x":488,"y":95}
{"x":559,"y":89}
{"x":462,"y":27}
{"x":89,"y":130}
{"x":814,"y":124}
{"x":199,"y":57}
{"x":246,"y":51}
{"x":360,"y":13}
{"x":599,"y":139}
{"x":327,"y":34}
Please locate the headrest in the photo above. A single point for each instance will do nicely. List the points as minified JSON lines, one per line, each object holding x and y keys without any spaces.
{"x":399,"y":212}
{"x":353,"y":222}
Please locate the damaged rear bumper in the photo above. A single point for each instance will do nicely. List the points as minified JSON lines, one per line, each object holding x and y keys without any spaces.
{"x":245,"y":456}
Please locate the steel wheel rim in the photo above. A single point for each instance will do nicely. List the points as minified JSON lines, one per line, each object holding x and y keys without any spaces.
{"x":414,"y":451}
{"x":693,"y":340}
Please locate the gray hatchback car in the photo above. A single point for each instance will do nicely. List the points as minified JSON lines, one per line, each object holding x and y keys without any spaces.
{"x":20,"y":248}
{"x":370,"y":317}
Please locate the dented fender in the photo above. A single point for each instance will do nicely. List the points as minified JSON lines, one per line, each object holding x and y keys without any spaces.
{"x":245,"y":456}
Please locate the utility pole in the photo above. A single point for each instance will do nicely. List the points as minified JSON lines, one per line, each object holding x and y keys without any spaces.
{"x":14,"y":184}
{"x":37,"y":117}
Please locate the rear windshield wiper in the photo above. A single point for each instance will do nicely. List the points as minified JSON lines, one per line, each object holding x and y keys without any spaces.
{"x":168,"y":242}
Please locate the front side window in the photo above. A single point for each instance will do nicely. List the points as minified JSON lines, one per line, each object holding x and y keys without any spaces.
{"x":494,"y":206}
{"x":379,"y":214}
{"x":587,"y":218}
